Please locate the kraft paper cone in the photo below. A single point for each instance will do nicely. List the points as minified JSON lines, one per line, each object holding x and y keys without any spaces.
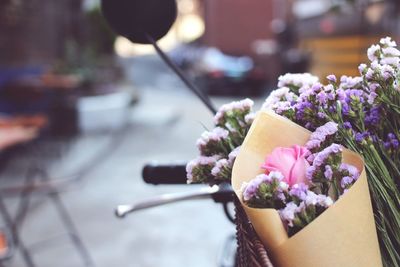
{"x":343,"y":236}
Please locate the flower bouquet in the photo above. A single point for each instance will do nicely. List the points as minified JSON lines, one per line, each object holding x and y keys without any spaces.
{"x":310,"y":205}
{"x":361,"y":114}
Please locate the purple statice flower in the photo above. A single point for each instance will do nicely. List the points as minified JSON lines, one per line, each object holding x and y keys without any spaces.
{"x":362,"y":137}
{"x":373,"y":116}
{"x":345,"y":108}
{"x":281,"y":107}
{"x":373,"y":87}
{"x":328,"y":172}
{"x":350,"y":175}
{"x":308,"y":92}
{"x":250,"y":189}
{"x":322,"y":98}
{"x":298,"y":216}
{"x":322,"y":156}
{"x":299,"y":191}
{"x":331,"y":78}
{"x":321,"y":115}
{"x":214,"y":142}
{"x":311,"y":158}
{"x":350,"y":169}
{"x":341,"y":95}
{"x":222,"y":170}
{"x":301,"y":108}
{"x":199,"y":169}
{"x":355,"y":94}
{"x":310,"y":171}
{"x":395,"y":143}
{"x":371,"y":97}
{"x":346,"y":182}
{"x":288,"y":213}
{"x":392,"y":142}
{"x":321,"y":134}
{"x":265,"y":191}
{"x":347,"y":125}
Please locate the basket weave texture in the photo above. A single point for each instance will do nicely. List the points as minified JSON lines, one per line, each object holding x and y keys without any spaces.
{"x":251,"y":252}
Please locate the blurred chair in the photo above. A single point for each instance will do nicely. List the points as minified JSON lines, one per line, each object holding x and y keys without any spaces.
{"x":36,"y":183}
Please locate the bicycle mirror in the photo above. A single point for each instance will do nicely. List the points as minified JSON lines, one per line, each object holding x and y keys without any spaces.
{"x":139,"y":19}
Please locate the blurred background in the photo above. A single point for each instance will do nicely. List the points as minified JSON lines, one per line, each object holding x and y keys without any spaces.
{"x":83,"y":110}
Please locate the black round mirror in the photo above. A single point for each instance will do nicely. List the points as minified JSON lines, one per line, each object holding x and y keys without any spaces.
{"x":138,"y":19}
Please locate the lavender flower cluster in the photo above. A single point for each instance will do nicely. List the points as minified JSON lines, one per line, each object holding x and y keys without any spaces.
{"x":328,"y":178}
{"x":266,"y":191}
{"x":365,"y":110}
{"x":219,"y":147}
{"x":362,"y":106}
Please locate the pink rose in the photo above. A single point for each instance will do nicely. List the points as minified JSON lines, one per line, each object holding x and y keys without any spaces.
{"x":290,"y":161}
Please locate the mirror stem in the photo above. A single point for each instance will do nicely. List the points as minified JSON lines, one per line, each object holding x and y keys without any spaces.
{"x":204,"y":98}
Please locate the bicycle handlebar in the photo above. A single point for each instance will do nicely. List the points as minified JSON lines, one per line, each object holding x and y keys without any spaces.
{"x":164,"y":174}
{"x":219,"y":193}
{"x":175,"y":174}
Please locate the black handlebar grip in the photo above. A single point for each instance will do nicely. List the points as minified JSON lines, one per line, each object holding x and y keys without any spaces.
{"x":164,"y":174}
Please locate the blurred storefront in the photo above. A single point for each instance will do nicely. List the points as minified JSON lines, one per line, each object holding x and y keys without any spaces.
{"x":337,"y":34}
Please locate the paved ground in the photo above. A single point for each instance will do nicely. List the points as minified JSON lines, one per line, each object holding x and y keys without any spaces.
{"x":163,"y":126}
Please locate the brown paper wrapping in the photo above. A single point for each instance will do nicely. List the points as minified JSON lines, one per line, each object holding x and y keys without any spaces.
{"x":343,"y":236}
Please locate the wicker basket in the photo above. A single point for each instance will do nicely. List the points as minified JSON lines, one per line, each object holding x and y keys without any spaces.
{"x":251,"y":252}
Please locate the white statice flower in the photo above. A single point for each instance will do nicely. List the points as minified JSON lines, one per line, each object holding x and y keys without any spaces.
{"x":387,"y":71}
{"x":362,"y":68}
{"x":233,"y":155}
{"x":393,"y":61}
{"x":297,"y":79}
{"x":278,"y":95}
{"x":217,"y":134}
{"x":390,"y":52}
{"x":284,"y":186}
{"x":281,"y":107}
{"x":231,"y":128}
{"x":311,"y":199}
{"x":277,"y":175}
{"x":388,"y":42}
{"x":349,"y":82}
{"x":249,"y":118}
{"x":373,"y":52}
{"x":325,"y":201}
{"x":235,"y":106}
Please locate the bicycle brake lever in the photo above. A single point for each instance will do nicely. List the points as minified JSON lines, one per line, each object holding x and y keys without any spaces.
{"x":203,"y":193}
